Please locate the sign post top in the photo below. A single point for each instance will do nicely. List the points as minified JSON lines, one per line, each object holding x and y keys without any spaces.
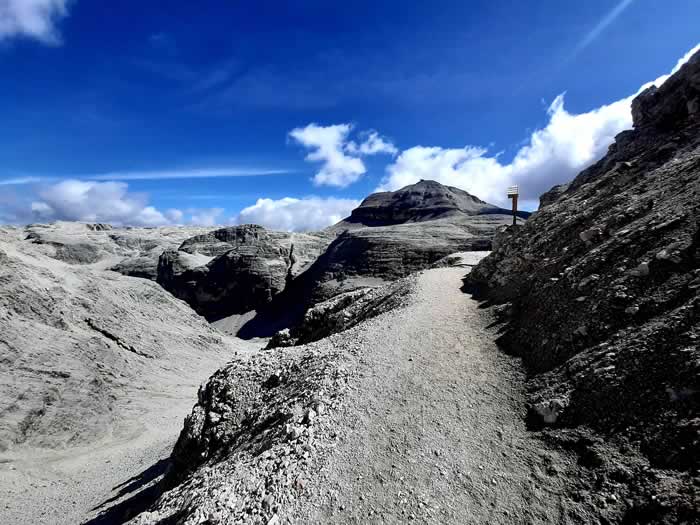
{"x":512,"y":191}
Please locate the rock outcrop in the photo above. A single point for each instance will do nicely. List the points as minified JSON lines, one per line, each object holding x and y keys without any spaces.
{"x":602,"y":296}
{"x":237,"y":269}
{"x":129,"y":251}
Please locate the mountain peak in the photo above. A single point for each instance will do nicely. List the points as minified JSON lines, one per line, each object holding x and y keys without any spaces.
{"x":425,"y":200}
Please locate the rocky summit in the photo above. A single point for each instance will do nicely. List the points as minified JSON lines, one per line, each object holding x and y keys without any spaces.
{"x":424,"y":201}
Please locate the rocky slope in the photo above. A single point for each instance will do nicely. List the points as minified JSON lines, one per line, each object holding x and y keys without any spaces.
{"x":130,"y":251}
{"x":601,"y":297}
{"x":92,"y":362}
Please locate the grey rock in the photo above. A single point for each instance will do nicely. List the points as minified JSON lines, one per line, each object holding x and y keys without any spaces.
{"x":646,"y":258}
{"x":236,"y":269}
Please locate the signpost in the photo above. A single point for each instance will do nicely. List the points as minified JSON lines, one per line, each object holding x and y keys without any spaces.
{"x":513,"y":194}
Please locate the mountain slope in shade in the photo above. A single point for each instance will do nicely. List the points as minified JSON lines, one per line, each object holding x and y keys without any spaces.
{"x":601,"y":293}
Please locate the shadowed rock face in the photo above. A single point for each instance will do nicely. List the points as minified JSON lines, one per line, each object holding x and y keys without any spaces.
{"x":604,"y":287}
{"x":237,"y":269}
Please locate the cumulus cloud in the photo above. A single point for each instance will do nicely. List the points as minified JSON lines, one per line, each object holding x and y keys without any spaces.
{"x":340,"y":157}
{"x":206,"y":216}
{"x":109,"y":202}
{"x":310,"y":213}
{"x":95,"y":202}
{"x":552,"y":155}
{"x":32,"y":19}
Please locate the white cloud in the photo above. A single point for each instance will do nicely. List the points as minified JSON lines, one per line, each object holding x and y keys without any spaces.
{"x":109,"y":202}
{"x":32,"y":18}
{"x":95,"y":202}
{"x":206,"y":216}
{"x":289,"y":214}
{"x":174,"y":215}
{"x":552,"y":155}
{"x":372,"y":145}
{"x":340,"y":158}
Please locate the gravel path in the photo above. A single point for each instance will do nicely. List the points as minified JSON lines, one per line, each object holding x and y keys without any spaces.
{"x":433,"y":428}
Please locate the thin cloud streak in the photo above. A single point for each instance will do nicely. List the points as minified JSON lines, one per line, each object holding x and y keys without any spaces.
{"x":17,"y":181}
{"x":187,"y":174}
{"x":600,"y":27}
{"x":151,"y":175}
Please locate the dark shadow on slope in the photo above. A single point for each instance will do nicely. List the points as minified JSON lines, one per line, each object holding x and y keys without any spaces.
{"x":139,"y":500}
{"x":267,"y":322}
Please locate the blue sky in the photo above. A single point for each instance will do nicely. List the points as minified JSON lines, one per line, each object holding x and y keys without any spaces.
{"x":140,"y":112}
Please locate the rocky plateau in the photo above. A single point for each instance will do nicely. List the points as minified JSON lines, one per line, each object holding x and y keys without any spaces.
{"x":424,"y":360}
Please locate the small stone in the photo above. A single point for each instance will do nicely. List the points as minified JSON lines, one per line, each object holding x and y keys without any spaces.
{"x":632,"y":310}
{"x":590,"y":234}
{"x":268,"y":501}
{"x":642,"y":270}
{"x":310,"y":416}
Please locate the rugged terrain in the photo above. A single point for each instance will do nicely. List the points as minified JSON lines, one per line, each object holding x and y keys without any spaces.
{"x":388,"y":396}
{"x":92,"y":406}
{"x":600,"y":294}
{"x":413,"y":414}
{"x":96,"y":367}
{"x":235,"y":270}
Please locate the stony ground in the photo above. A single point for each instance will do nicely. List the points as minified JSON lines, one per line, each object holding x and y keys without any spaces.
{"x":412,"y":415}
{"x":432,"y":429}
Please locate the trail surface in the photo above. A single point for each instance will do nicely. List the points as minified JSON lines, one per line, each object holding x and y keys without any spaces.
{"x":433,"y":429}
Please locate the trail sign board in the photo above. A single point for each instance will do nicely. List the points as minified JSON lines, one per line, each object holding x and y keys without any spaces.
{"x":513,"y":194}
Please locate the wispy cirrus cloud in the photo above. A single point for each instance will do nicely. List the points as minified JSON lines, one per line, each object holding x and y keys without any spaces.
{"x":604,"y":22}
{"x":195,"y":173}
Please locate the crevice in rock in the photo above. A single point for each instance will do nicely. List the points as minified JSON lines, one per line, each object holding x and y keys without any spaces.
{"x":109,"y":335}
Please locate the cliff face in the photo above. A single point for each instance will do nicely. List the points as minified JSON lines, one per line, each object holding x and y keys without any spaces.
{"x":601,"y":286}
